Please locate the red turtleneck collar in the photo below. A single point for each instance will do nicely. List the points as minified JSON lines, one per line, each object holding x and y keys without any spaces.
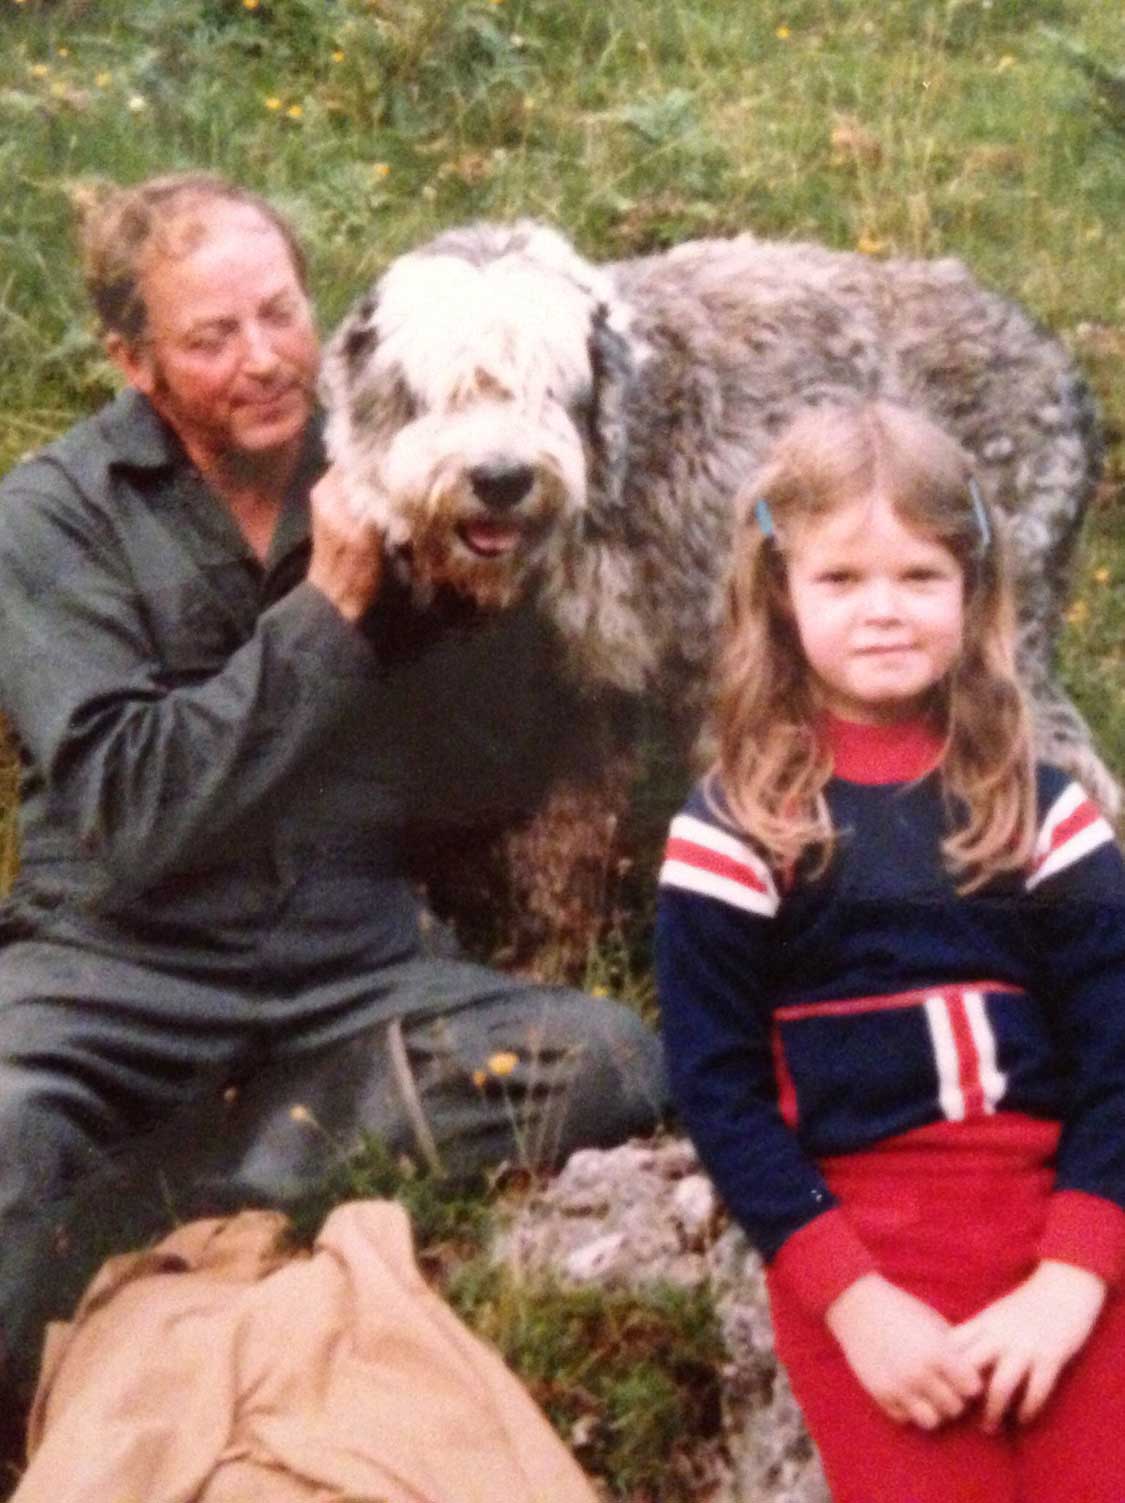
{"x":896,"y":753}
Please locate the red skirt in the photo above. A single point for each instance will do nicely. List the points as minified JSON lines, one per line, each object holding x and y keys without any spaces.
{"x":954,"y":1214}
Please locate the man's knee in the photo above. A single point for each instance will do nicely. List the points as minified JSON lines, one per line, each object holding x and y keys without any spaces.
{"x":592,"y":1064}
{"x":618,"y":1078}
{"x":480,"y":1068}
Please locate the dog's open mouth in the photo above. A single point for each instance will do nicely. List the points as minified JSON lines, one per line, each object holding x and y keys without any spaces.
{"x":489,"y":537}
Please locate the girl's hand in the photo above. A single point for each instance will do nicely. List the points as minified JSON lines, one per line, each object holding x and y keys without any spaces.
{"x":902,"y":1351}
{"x":1029,"y":1336}
{"x":347,"y":549}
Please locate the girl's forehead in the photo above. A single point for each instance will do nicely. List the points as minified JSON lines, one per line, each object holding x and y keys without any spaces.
{"x":865,"y":521}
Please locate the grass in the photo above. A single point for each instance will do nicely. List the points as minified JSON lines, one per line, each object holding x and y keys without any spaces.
{"x":631,"y":1380}
{"x":974,"y":128}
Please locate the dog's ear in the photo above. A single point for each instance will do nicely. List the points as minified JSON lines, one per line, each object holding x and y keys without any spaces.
{"x":348,"y":352}
{"x":612,"y":369}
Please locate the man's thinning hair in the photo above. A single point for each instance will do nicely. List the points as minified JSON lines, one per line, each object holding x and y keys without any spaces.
{"x":121,"y":228}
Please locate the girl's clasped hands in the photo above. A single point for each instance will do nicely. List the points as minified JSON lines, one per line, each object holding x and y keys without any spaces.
{"x":922,"y":1370}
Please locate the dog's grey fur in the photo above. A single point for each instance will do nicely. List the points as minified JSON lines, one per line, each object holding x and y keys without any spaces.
{"x":607,"y":414}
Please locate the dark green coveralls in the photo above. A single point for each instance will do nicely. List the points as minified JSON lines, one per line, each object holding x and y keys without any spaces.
{"x":211,"y":915}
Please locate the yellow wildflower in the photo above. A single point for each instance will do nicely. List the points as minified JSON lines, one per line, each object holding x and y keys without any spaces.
{"x":251,"y":4}
{"x":272,"y":103}
{"x":103,"y":80}
{"x":870,"y":245}
{"x":1006,"y":62}
{"x":300,"y":1114}
{"x":783,"y":33}
{"x":504,"y":1062}
{"x":295,"y":111}
{"x":380,"y":169}
{"x":337,"y":56}
{"x":62,"y":51}
{"x":480,"y":1079}
{"x":1101,"y":576}
{"x":1078,"y":613}
{"x":39,"y":70}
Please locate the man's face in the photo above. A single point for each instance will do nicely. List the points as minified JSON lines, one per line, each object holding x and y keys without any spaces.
{"x":230,"y":353}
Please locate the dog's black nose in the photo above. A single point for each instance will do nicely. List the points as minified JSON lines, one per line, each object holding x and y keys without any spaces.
{"x":501,"y":486}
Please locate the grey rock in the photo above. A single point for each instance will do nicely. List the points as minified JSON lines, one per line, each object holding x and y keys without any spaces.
{"x":596,"y":1261}
{"x":644,"y":1214}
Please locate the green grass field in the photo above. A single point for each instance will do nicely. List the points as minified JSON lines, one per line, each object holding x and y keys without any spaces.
{"x":993,"y":130}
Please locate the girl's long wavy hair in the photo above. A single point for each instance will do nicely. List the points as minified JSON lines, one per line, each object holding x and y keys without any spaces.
{"x":772,"y":766}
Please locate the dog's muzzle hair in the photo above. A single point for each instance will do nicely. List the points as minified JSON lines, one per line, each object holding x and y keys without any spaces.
{"x":464,"y":409}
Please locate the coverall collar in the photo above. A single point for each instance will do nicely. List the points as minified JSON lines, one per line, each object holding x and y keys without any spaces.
{"x":143,"y":441}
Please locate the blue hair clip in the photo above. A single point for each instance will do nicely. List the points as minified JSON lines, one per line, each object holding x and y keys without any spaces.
{"x":764,"y":517}
{"x":980,"y":512}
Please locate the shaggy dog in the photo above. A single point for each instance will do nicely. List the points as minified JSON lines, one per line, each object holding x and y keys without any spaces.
{"x":526,"y":425}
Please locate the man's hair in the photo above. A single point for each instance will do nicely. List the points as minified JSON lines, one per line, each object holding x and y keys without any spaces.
{"x":122,"y":228}
{"x":772,"y":766}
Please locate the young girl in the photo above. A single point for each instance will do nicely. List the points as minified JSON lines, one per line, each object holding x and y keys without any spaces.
{"x":891,"y":959}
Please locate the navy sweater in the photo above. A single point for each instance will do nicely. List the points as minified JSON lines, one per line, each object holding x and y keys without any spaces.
{"x":825,"y":1016}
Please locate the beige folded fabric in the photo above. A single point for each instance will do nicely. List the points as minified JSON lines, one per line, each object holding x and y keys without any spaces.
{"x":216,"y":1369}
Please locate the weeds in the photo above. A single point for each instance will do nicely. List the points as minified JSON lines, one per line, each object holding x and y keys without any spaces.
{"x":454,"y":1216}
{"x":630,"y":1380}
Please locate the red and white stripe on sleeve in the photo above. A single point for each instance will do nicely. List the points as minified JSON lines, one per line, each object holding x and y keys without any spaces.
{"x":700,"y":858}
{"x":1074,"y":826}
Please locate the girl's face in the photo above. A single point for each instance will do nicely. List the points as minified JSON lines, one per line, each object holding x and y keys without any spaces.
{"x":878,"y":607}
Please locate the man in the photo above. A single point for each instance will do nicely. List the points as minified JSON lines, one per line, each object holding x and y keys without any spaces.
{"x":221,"y":738}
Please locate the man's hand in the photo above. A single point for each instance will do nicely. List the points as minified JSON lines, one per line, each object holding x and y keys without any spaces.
{"x":347,"y":549}
{"x":903,"y":1353}
{"x":1027,"y":1337}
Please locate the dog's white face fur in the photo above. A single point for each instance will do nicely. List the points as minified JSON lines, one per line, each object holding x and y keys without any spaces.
{"x":465,"y":395}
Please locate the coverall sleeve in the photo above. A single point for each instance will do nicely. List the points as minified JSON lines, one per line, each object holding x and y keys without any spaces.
{"x":147,"y":769}
{"x":716,"y":907}
{"x":1077,"y":892}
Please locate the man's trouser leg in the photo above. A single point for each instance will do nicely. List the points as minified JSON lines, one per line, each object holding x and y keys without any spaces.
{"x":93,"y":1053}
{"x":465,"y":1069}
{"x":113,"y":1108}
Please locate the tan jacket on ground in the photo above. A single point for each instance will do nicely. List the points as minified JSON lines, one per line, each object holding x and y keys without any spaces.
{"x":215,"y":1369}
